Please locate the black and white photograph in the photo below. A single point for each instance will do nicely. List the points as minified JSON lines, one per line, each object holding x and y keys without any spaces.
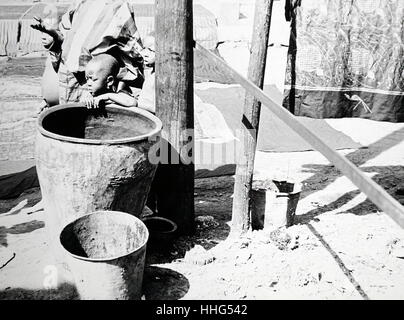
{"x":201,"y":150}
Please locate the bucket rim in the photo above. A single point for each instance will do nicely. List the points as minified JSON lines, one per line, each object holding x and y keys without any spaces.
{"x":172,"y":223}
{"x":138,"y":248}
{"x":147,"y":114}
{"x":297,"y":188}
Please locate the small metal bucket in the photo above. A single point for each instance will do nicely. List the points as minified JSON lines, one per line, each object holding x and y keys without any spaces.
{"x":275,"y":208}
{"x":161,"y":230}
{"x":105,"y":251}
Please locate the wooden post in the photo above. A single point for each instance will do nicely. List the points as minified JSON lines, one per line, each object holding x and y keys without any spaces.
{"x":241,"y":221}
{"x":175,"y":108}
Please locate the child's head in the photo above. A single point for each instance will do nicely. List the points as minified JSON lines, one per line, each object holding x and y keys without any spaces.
{"x":149,"y":51}
{"x":101,"y":72}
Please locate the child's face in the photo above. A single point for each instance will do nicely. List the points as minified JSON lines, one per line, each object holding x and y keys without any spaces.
{"x":96,"y":80}
{"x":148,"y":53}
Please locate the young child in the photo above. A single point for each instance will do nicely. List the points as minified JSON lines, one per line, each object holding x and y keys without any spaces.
{"x":146,"y":98}
{"x":101,"y":75}
{"x":90,"y":28}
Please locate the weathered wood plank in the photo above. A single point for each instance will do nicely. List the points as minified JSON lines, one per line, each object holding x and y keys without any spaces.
{"x":252,"y":109}
{"x":174,"y":106}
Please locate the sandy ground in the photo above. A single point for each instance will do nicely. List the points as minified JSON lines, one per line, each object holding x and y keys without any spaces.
{"x":340,"y":247}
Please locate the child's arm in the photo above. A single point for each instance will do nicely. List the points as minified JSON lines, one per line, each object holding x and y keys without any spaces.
{"x":52,"y":40}
{"x":120,"y":98}
{"x":56,"y":36}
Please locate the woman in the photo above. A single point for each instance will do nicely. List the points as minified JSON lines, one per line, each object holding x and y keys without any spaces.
{"x":87,"y":29}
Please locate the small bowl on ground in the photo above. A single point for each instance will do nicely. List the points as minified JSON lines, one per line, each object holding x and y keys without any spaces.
{"x":162,"y":231}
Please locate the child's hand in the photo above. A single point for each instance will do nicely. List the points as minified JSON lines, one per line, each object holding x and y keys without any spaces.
{"x":40,"y":26}
{"x":89,"y":101}
{"x":100,"y":101}
{"x":93,"y":102}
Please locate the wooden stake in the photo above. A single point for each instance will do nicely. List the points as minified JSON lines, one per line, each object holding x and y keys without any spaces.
{"x":252,"y":107}
{"x":174,"y":106}
{"x":375,"y":193}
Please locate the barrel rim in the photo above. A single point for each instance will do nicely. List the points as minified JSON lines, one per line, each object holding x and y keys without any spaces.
{"x":56,"y":136}
{"x":138,"y":248}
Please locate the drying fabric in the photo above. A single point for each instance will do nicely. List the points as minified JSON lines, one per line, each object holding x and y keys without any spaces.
{"x":346,"y":59}
{"x":218,"y":114}
{"x":13,"y":184}
{"x":274,"y":135}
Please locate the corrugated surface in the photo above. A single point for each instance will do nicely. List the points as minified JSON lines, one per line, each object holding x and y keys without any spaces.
{"x":20,"y":94}
{"x":8,"y":37}
{"x":30,"y":40}
{"x":205,"y":27}
{"x":17,"y":129}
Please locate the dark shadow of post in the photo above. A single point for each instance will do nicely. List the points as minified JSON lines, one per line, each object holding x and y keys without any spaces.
{"x":171,"y":186}
{"x":20,"y":228}
{"x":340,"y":263}
{"x":359,"y":158}
{"x":164,"y":284}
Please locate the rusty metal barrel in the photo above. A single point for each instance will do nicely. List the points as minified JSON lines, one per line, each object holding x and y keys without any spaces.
{"x":89,"y":160}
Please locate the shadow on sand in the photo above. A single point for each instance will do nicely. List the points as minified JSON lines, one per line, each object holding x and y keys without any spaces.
{"x":20,"y":228}
{"x":388,"y":177}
